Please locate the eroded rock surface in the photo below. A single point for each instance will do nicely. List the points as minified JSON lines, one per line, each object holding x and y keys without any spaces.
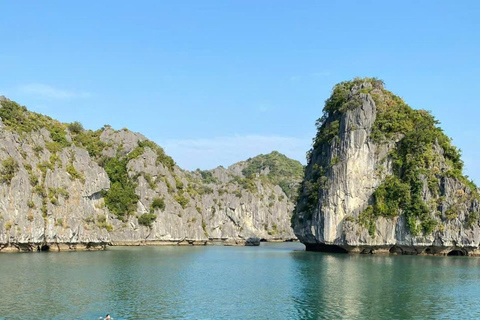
{"x":383,"y":178}
{"x":55,"y":179}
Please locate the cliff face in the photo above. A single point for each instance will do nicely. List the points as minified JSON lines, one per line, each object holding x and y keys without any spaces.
{"x":66,"y":188}
{"x":383,"y":177}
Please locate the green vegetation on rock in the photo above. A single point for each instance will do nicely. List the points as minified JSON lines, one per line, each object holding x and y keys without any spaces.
{"x":121,"y":198}
{"x":282,"y":171}
{"x":74,"y":174}
{"x":328,"y":125}
{"x":182,"y":200}
{"x":147,"y":219}
{"x":8,"y":170}
{"x":102,"y":223}
{"x":75,"y":127}
{"x":52,"y":151}
{"x":157,"y":203}
{"x":207,"y":176}
{"x":422,"y":157}
{"x":423,"y":154}
{"x":90,"y":140}
{"x":18,"y":119}
{"x":53,"y":194}
{"x":162,"y":158}
{"x":246,"y":183}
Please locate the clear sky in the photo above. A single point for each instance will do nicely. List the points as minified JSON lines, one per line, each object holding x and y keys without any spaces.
{"x":215,"y":82}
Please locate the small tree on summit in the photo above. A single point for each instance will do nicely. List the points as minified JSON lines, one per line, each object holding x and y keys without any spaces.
{"x":75,"y":127}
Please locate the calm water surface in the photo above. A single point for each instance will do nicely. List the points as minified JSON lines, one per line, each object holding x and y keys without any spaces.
{"x":273,"y":281}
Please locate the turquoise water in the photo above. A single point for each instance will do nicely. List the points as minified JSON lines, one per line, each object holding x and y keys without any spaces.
{"x":273,"y":281}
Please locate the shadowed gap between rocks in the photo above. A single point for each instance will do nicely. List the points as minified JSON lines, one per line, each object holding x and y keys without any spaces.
{"x":456,"y":253}
{"x":320,"y":247}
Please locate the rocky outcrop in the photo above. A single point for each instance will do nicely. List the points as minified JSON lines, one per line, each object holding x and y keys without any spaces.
{"x":66,"y":188}
{"x":382,"y":177}
{"x":252,"y":242}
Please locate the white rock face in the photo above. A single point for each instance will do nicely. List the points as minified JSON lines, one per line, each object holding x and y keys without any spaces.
{"x":356,"y":167}
{"x":68,"y":213}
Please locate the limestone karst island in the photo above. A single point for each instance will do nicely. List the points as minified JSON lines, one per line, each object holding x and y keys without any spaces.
{"x":381,"y":178}
{"x":66,"y":188}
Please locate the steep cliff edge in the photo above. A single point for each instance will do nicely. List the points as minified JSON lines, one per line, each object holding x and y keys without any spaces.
{"x":382,"y":177}
{"x":66,"y":188}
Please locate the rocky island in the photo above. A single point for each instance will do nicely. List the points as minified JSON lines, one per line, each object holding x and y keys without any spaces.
{"x":383,"y":177}
{"x":65,"y":188}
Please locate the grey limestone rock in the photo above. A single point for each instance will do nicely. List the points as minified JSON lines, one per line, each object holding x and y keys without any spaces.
{"x":252,"y":242}
{"x":56,"y":199}
{"x":356,"y":165}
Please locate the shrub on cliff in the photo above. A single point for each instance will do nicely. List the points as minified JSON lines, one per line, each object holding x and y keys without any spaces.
{"x":18,"y":118}
{"x":157,"y":203}
{"x":162,"y":157}
{"x":121,"y":198}
{"x":181,"y":200}
{"x":207,"y":176}
{"x":8,"y":170}
{"x":75,"y":127}
{"x":90,"y":140}
{"x":147,"y":219}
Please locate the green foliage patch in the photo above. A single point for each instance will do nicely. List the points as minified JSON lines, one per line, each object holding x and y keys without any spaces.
{"x":207,"y":176}
{"x":17,"y":118}
{"x":59,"y":135}
{"x":74,"y":174}
{"x":8,"y":170}
{"x":121,"y":198}
{"x":102,"y":223}
{"x":75,"y":127}
{"x":162,"y":157}
{"x":414,"y":157}
{"x":246,"y":183}
{"x":341,"y":100}
{"x":157,"y":203}
{"x":182,"y":200}
{"x":282,"y":171}
{"x":147,"y":219}
{"x":90,"y":140}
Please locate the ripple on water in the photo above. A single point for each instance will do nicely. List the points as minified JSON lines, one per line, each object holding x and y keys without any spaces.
{"x":273,"y":281}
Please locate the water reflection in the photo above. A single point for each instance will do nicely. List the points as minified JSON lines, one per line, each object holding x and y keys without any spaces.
{"x":158,"y":279}
{"x":385,"y":287}
{"x":273,"y":281}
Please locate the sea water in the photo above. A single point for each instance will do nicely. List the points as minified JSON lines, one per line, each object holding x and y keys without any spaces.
{"x":273,"y":281}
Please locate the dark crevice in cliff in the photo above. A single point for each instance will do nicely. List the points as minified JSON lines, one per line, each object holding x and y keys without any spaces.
{"x":320,"y":247}
{"x":96,"y":195}
{"x":396,"y":250}
{"x":232,"y":219}
{"x":44,"y":244}
{"x":456,"y":253}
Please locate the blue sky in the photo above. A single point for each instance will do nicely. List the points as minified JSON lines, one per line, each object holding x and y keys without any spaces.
{"x":215,"y":82}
